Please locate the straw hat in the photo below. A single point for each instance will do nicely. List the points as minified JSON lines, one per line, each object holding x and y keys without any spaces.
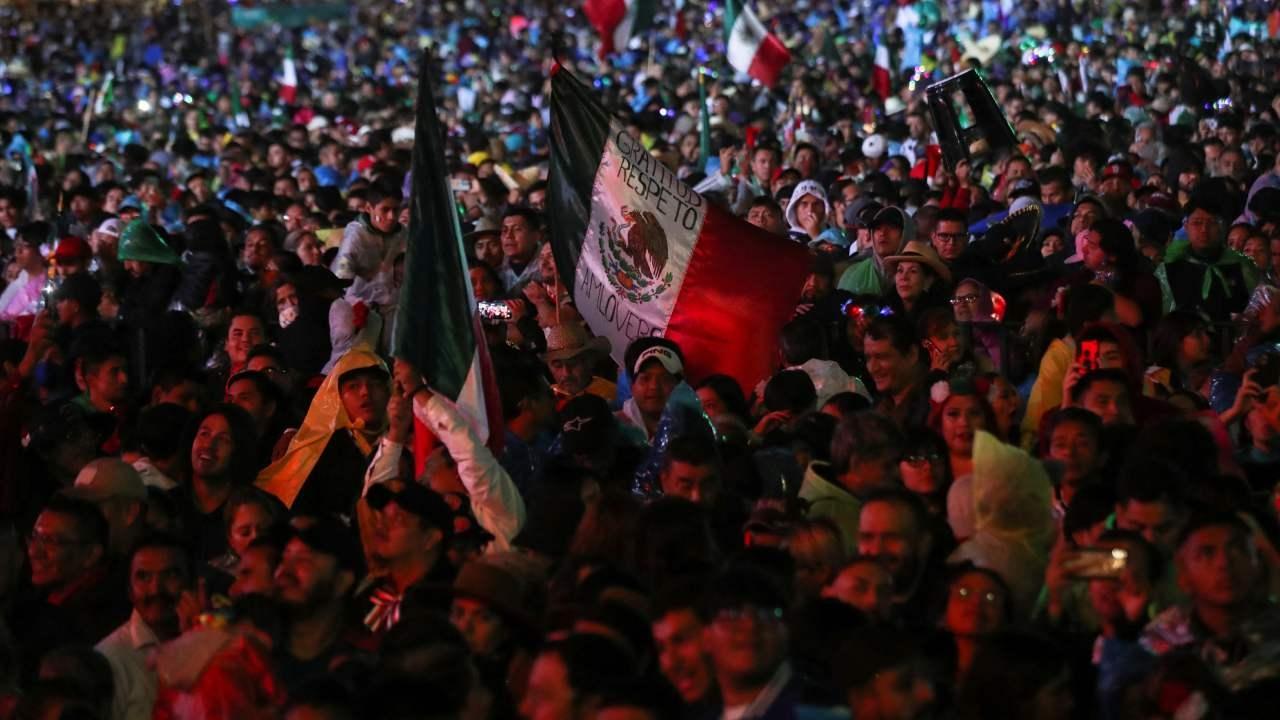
{"x":920,"y":252}
{"x":569,"y":340}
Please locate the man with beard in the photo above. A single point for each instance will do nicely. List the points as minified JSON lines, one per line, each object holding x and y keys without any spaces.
{"x":159,"y":575}
{"x":893,"y":528}
{"x":313,"y":583}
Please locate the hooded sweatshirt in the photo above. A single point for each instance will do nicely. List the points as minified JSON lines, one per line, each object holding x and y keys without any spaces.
{"x":798,"y":233}
{"x":365,"y":256}
{"x":866,"y":276}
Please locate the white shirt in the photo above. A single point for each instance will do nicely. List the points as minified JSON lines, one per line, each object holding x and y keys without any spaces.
{"x":127,"y":650}
{"x":495,"y":501}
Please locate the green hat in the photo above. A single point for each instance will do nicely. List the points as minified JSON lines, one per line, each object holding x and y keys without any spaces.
{"x":140,"y":241}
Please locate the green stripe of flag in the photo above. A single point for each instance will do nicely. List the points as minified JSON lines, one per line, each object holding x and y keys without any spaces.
{"x":434,"y":328}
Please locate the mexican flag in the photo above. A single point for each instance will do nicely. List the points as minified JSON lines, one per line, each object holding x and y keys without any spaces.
{"x":288,"y":79}
{"x":678,"y":27}
{"x":618,"y":21}
{"x":881,"y":73}
{"x":646,"y":255}
{"x":752,"y":49}
{"x":437,"y":327}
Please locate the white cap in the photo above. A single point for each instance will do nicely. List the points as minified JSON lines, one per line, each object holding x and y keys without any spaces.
{"x":110,"y":226}
{"x":662,"y":354}
{"x":874,"y":146}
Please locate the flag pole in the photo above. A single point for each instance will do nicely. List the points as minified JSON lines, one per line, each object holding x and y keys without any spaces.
{"x":704,"y":123}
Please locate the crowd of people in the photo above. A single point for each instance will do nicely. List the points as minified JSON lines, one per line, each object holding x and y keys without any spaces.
{"x":1019,"y":457}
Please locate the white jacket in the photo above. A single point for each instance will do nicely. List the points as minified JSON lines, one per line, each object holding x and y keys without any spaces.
{"x":495,"y":501}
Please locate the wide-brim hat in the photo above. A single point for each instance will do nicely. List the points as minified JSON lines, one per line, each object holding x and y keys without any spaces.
{"x":502,"y":589}
{"x":982,"y":50}
{"x":569,"y":340}
{"x":921,"y":252}
{"x":484,"y":226}
{"x":1024,"y":223}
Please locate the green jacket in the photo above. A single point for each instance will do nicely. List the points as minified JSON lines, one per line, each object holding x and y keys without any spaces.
{"x":864,"y":277}
{"x":1218,"y":288}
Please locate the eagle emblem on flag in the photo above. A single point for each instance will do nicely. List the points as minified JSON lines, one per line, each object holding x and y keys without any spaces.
{"x":633,"y":249}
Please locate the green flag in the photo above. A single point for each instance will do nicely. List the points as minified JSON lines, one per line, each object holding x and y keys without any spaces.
{"x":437,"y":326}
{"x":704,"y":124}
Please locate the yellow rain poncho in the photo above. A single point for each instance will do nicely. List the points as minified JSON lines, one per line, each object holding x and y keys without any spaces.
{"x":1013,"y":524}
{"x":285,"y":477}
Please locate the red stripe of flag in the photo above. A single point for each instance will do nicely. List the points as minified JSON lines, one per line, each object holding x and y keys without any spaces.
{"x":714,"y":314}
{"x":604,"y":16}
{"x":771,"y":57}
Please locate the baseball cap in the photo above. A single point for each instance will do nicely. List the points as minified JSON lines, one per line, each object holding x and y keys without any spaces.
{"x":1024,"y":187}
{"x":664,"y":355}
{"x":860,"y":212}
{"x":889,"y":216}
{"x":107,"y":478}
{"x":328,"y":535}
{"x":110,"y":226}
{"x":588,"y":426}
{"x":1117,"y":168}
{"x":874,"y":146}
{"x":744,"y":585}
{"x":417,"y":500}
{"x":769,"y":519}
{"x":72,"y":248}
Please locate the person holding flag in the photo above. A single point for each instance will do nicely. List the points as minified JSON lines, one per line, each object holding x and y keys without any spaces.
{"x":648,"y":256}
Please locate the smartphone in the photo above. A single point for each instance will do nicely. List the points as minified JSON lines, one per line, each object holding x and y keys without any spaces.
{"x":494,"y":313}
{"x":1096,"y":563}
{"x":1088,"y":354}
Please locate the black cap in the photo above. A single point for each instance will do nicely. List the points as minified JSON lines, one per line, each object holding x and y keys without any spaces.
{"x":1029,"y":187}
{"x":587,"y":425}
{"x":744,"y":585}
{"x":82,"y":288}
{"x":1265,"y":203}
{"x":328,"y":535}
{"x":861,"y":212}
{"x":417,"y":500}
{"x":1207,"y":202}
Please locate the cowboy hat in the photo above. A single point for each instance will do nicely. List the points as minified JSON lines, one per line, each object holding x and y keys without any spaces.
{"x":483,"y":226}
{"x":982,"y":50}
{"x":918,"y":251}
{"x":505,"y":583}
{"x":569,"y":340}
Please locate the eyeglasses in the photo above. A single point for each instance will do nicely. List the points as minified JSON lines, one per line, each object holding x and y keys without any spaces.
{"x":964,"y":299}
{"x":753,"y":612}
{"x":919,"y":460}
{"x":1202,"y":222}
{"x":42,"y":540}
{"x":965,"y":592}
{"x":950,"y":237}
